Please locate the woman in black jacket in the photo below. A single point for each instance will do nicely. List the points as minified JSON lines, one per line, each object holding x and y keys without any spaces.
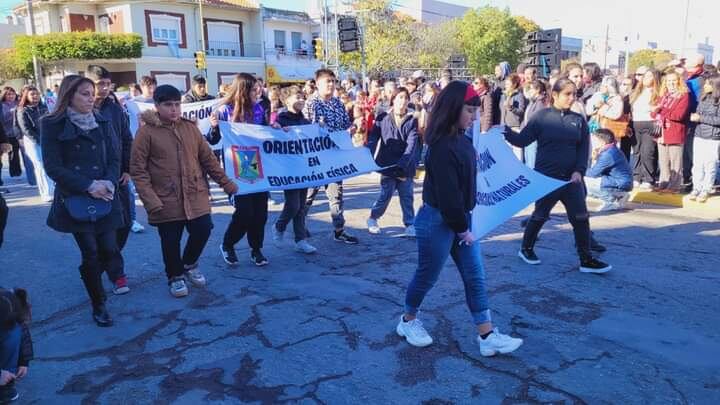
{"x":512,"y":108}
{"x":394,"y":142}
{"x":80,"y":155}
{"x":563,"y":148}
{"x":443,"y":222}
{"x":28,"y":114}
{"x":706,"y":144}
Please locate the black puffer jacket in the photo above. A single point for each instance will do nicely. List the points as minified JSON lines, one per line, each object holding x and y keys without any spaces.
{"x":709,"y":125}
{"x":28,"y":121}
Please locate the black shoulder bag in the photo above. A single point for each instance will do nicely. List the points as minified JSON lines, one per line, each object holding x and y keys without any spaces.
{"x":84,"y":207}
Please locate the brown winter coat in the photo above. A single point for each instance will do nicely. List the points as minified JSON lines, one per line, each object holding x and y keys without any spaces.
{"x":168,"y":165}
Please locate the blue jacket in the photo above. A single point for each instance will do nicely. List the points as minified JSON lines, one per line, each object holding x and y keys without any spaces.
{"x":393,"y":146}
{"x":614,"y":169}
{"x":695,"y":85}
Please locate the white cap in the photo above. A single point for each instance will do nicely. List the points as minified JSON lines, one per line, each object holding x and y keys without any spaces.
{"x":418,"y":74}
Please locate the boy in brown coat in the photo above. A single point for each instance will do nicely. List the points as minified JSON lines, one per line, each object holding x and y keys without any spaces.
{"x":168,"y":164}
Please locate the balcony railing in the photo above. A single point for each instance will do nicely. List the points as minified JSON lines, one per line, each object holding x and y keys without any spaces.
{"x":224,"y":49}
{"x":281,"y":53}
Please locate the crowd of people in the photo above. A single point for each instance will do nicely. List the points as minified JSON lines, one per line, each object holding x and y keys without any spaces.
{"x":604,"y":135}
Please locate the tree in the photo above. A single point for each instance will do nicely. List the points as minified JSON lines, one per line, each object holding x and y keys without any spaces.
{"x":436,"y":43}
{"x":652,"y":58}
{"x":526,"y":24}
{"x":488,"y":36}
{"x":390,"y":40}
{"x":9,"y":68}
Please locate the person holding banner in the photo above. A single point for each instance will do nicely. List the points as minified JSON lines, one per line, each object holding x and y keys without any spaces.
{"x":170,"y":159}
{"x":394,"y":142}
{"x":198,"y":92}
{"x":443,"y":222}
{"x":329,"y":112}
{"x":294,"y":199}
{"x":251,"y":210}
{"x":562,"y":137}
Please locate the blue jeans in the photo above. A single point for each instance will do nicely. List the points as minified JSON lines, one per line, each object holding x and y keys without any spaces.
{"x":10,"y":348}
{"x":530,"y":153}
{"x":436,"y":241}
{"x":388,"y":185}
{"x":133,"y":213}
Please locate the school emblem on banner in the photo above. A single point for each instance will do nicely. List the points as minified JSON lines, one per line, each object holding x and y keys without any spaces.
{"x":247,"y":163}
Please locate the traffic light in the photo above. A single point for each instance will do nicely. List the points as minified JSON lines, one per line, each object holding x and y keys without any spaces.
{"x":348,"y":34}
{"x":318,"y":47}
{"x":200,"y":63}
{"x":542,"y":50}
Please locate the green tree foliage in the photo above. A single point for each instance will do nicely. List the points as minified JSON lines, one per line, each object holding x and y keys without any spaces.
{"x":526,"y":24}
{"x":73,"y":45}
{"x":489,"y":35}
{"x":436,"y":43}
{"x":651,"y":58}
{"x":9,"y":69}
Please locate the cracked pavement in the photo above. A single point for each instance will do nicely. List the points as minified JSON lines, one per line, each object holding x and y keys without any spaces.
{"x":321,"y":328}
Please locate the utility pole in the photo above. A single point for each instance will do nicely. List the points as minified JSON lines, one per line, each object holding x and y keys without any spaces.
{"x":607,"y":38}
{"x":36,"y":65}
{"x":202,"y":33}
{"x":685,"y":27}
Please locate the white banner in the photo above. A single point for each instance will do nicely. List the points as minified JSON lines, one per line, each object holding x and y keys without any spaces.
{"x":505,"y":185}
{"x":199,"y":112}
{"x":260,"y":158}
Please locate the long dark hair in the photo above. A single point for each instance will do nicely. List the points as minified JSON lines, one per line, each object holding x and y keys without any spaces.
{"x":68,"y":88}
{"x":714,"y":95}
{"x":24,"y":97}
{"x":5,"y":91}
{"x":241,"y":97}
{"x":444,"y":117}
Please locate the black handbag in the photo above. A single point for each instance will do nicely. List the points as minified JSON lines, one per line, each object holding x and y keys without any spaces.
{"x":85,"y":208}
{"x":657,"y":129}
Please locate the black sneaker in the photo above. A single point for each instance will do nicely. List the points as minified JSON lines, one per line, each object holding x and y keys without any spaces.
{"x":257,"y":257}
{"x":593,"y":265}
{"x":343,"y":236}
{"x":528,"y":256}
{"x":8,"y":393}
{"x":229,"y":255}
{"x":596,"y":247}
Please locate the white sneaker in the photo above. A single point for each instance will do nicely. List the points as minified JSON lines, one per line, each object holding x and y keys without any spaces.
{"x":304,"y":247}
{"x":410,"y":231}
{"x":498,"y":343}
{"x":277,"y":236}
{"x":609,"y":206}
{"x":645,"y":186}
{"x":373,"y":226}
{"x":413,"y":332}
{"x":196,"y":277}
{"x":178,"y":288}
{"x":137,"y":227}
{"x":622,"y":201}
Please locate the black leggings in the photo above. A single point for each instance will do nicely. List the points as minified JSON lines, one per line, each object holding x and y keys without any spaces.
{"x":645,"y":153}
{"x":572,"y":196}
{"x":3,"y":218}
{"x":92,"y":247}
{"x":250,"y":216}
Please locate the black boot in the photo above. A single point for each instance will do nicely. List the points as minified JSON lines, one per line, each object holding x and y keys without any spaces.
{"x":527,"y":252}
{"x":93,"y":284}
{"x":8,"y":393}
{"x":101,"y":316}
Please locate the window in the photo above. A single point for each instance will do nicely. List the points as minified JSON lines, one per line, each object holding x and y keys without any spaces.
{"x":179,"y":80}
{"x":165,"y":28}
{"x":296,"y":38}
{"x":280,"y":40}
{"x":104,"y":24}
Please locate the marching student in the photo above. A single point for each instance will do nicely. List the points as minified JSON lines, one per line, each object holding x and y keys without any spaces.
{"x":198,"y":91}
{"x":328,"y":111}
{"x":394,"y":143}
{"x":147,"y":86}
{"x":28,"y":114}
{"x":170,"y":158}
{"x":563,"y":147}
{"x":443,"y":222}
{"x":16,"y":346}
{"x":251,"y":210}
{"x":294,"y":199}
{"x":107,"y":105}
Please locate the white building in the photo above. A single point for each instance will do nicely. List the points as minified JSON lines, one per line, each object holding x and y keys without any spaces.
{"x":431,"y":11}
{"x":289,"y":53}
{"x":7,"y":30}
{"x":171,"y":30}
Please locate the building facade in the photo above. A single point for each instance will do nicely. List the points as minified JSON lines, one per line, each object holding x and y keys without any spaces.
{"x":231,"y":32}
{"x":289,"y":53}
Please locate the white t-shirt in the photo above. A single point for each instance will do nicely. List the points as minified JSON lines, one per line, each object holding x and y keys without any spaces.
{"x":641,"y":107}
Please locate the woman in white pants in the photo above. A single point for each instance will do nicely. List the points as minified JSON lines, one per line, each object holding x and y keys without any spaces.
{"x":29,"y":111}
